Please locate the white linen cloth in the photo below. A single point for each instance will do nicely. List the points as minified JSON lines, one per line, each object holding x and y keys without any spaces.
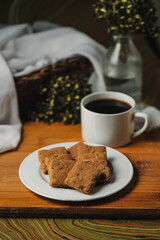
{"x":24,"y":49}
{"x":154,"y":117}
{"x":10,"y":125}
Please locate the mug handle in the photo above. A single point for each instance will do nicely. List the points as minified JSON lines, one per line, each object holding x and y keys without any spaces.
{"x":145,"y":125}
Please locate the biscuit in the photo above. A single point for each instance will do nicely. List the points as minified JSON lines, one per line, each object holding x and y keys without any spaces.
{"x":74,"y":150}
{"x":99,"y":154}
{"x":85,"y":151}
{"x":58,"y":167}
{"x":83,"y":176}
{"x":42,"y":154}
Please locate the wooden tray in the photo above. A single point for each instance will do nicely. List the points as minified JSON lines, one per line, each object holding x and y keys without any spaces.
{"x":140,"y":199}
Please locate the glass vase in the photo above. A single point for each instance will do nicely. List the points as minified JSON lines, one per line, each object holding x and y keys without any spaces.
{"x":123,"y":68}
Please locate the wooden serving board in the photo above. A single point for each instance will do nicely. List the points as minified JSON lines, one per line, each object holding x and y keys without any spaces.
{"x":141,"y":198}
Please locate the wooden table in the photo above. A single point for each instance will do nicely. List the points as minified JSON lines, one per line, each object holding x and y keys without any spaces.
{"x":140,"y":199}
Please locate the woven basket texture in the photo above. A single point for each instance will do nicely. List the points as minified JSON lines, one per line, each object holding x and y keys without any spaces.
{"x":28,"y":86}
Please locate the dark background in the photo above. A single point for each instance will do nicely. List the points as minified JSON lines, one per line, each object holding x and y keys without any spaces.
{"x":78,"y":14}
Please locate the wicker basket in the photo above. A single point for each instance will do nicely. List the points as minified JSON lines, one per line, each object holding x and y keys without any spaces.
{"x":28,"y":86}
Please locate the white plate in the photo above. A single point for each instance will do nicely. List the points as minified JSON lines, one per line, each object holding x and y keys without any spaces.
{"x":33,"y":178}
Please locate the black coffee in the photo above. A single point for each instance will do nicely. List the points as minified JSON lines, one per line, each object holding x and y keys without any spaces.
{"x":108,"y":106}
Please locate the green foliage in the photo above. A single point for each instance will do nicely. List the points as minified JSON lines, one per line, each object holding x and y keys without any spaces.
{"x":128,"y":16}
{"x":60,"y":99}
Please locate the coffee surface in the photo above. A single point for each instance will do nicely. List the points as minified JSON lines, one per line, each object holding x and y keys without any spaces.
{"x":107,"y":106}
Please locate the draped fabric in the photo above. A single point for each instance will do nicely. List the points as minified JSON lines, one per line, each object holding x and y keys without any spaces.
{"x":87,"y":229}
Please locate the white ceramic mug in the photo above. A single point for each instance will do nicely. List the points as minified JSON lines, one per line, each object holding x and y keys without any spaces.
{"x":112,"y":130}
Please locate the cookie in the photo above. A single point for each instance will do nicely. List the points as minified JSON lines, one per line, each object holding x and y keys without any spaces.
{"x":99,"y":154}
{"x":42,"y":154}
{"x":85,"y":151}
{"x":83,"y":176}
{"x":58,"y":168}
{"x":74,"y":150}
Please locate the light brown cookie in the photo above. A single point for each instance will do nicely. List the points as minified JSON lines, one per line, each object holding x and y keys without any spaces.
{"x":85,"y":151}
{"x":58,"y":168}
{"x":42,"y":154}
{"x":99,"y":154}
{"x":83,"y":176}
{"x":74,"y":150}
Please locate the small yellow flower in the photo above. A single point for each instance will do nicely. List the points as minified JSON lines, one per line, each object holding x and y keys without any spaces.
{"x":44,"y":89}
{"x":137,"y":16}
{"x":76,"y":97}
{"x":76,"y":86}
{"x":55,"y":85}
{"x":59,"y":79}
{"x":66,"y":77}
{"x":51,"y":102}
{"x":128,"y":11}
{"x":68,"y":98}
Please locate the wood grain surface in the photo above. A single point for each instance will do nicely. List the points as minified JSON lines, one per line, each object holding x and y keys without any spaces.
{"x":140,"y":199}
